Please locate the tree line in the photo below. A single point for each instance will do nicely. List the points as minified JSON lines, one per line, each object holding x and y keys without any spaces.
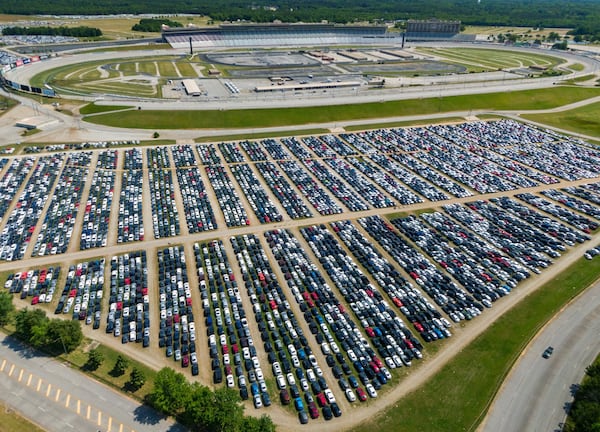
{"x":203,"y":409}
{"x":81,"y":31}
{"x":531,"y":13}
{"x":154,"y":24}
{"x":584,"y":415}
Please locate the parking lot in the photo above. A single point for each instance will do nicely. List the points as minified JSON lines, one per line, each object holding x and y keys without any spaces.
{"x":303,"y":272}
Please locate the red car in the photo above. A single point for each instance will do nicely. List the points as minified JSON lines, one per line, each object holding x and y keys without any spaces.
{"x":321,"y":399}
{"x":362,"y":396}
{"x":313,"y":410}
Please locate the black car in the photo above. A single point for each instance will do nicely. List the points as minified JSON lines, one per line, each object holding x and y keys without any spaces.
{"x":548,"y":352}
{"x":327,"y":415}
{"x":303,"y":417}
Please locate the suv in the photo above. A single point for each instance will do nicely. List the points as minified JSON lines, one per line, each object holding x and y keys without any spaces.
{"x":548,"y":352}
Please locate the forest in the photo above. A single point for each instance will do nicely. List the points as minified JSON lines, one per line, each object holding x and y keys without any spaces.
{"x":533,"y":13}
{"x":53,"y":31}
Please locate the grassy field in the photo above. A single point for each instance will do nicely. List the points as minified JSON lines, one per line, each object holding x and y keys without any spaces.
{"x":583,"y":120}
{"x":457,"y":398}
{"x":94,"y":109}
{"x":78,"y":358}
{"x":493,"y":59}
{"x":11,"y":421}
{"x":113,"y":27}
{"x":526,"y":100}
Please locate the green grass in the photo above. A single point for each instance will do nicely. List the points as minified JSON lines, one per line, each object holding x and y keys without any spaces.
{"x":78,"y":358}
{"x":166,"y":69}
{"x":6,"y":104}
{"x":251,"y":136}
{"x":577,"y":67}
{"x":92,"y":108}
{"x":10,"y":421}
{"x":147,"y":67}
{"x":186,"y":69}
{"x":524,"y":100}
{"x":458,"y":396}
{"x":583,"y":120}
{"x":403,"y":123}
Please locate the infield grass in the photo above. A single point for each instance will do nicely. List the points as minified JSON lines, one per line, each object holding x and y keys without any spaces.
{"x":583,"y":120}
{"x":524,"y":100}
{"x":459,"y":395}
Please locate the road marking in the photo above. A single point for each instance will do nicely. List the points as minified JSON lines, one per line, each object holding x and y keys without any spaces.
{"x":3,"y":364}
{"x":99,"y":418}
{"x":12,"y":368}
{"x":108,"y":428}
{"x":121,"y":427}
{"x":29,"y":379}
{"x":39,"y":384}
{"x":78,"y":406}
{"x":57,"y":395}
{"x":89,"y":410}
{"x":67,"y":400}
{"x":48,"y":389}
{"x":20,"y":375}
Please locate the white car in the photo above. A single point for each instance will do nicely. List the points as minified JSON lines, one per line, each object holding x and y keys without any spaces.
{"x":230,"y":381}
{"x":329,"y":395}
{"x":371,"y":390}
{"x":350,"y":395}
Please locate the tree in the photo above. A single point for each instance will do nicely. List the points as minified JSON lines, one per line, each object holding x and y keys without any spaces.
{"x":136,"y":379}
{"x":121,"y":366}
{"x":63,"y":335}
{"x":6,"y":307}
{"x":26,"y":320}
{"x":95,"y":359}
{"x":262,"y":424}
{"x":171,"y":392}
{"x":199,"y":409}
{"x":228,"y":412}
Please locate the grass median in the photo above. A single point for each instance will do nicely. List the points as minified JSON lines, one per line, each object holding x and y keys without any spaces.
{"x":272,"y":117}
{"x":457,"y":398}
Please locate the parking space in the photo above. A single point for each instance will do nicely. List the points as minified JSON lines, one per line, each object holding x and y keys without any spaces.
{"x":38,"y":284}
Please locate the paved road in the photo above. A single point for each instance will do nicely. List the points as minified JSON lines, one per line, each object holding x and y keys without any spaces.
{"x":61,"y":399}
{"x":537,"y":392}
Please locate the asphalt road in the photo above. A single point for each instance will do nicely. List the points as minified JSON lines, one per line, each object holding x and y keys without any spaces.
{"x":60,"y":399}
{"x":537,"y":393}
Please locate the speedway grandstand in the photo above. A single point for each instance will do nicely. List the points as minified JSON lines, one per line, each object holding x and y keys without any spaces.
{"x":271,"y":35}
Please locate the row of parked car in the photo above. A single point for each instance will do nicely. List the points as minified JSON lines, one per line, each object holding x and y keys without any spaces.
{"x":129,"y":303}
{"x":96,"y":218}
{"x":329,"y":323}
{"x":12,"y":180}
{"x":177,"y":333}
{"x":231,"y":346}
{"x":261,"y":203}
{"x":585,"y":207}
{"x":298,"y":376}
{"x":393,"y":185}
{"x":198,"y":210}
{"x":22,"y":221}
{"x":452,"y":299}
{"x":229,"y":201}
{"x":165,"y":217}
{"x":83,"y":292}
{"x":59,"y":221}
{"x":39,"y":284}
{"x":308,"y":187}
{"x":287,"y":196}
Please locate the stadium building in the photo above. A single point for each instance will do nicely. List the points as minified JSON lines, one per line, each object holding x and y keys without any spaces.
{"x":270,"y":35}
{"x":429,"y":30}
